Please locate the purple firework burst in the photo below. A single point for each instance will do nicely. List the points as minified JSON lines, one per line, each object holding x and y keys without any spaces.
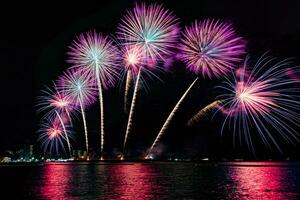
{"x":211,"y":48}
{"x":96,"y":55}
{"x":78,"y":86}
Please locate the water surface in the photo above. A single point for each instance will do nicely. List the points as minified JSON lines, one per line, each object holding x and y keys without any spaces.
{"x":163,"y":180}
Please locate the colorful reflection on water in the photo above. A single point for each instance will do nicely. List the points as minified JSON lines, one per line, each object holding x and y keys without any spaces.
{"x":132,"y":182}
{"x":55,"y":179}
{"x":263,"y":183}
{"x":153,"y":181}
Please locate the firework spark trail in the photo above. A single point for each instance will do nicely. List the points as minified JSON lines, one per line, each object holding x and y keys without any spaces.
{"x":101,"y":108}
{"x":57,"y":104}
{"x":203,"y":112}
{"x":132,"y":107}
{"x":69,"y":117}
{"x":82,"y":91}
{"x":127,"y":88}
{"x":97,"y":56}
{"x":209,"y":48}
{"x":170,"y":117}
{"x":65,"y":131}
{"x":133,"y":59}
{"x":84,"y":125}
{"x":154,"y":30}
{"x":265,"y":99}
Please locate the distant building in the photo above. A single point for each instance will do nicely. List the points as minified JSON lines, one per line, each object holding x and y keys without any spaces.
{"x":79,"y":153}
{"x":26,"y":152}
{"x":74,"y":155}
{"x":30,"y":151}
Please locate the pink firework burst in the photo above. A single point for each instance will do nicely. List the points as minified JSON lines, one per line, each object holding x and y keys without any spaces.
{"x":253,"y":97}
{"x":211,"y":48}
{"x":132,"y":58}
{"x":52,"y":136}
{"x":153,"y":28}
{"x":54,"y":100}
{"x":262,"y":97}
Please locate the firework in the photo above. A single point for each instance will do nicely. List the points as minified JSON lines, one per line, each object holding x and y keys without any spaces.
{"x":203,"y":112}
{"x":54,"y":100}
{"x":133,"y":101}
{"x":170,"y":117}
{"x":211,"y":48}
{"x":263,"y":97}
{"x":81,"y":90}
{"x":127,"y":88}
{"x":133,"y":59}
{"x":65,"y":131}
{"x":153,"y":30}
{"x":96,"y":55}
{"x":51,"y":135}
{"x":57,"y":104}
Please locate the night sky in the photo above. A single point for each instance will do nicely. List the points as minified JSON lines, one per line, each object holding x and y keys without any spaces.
{"x":33,"y":47}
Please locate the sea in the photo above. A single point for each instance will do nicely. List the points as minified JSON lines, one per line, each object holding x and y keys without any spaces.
{"x":150,"y":180}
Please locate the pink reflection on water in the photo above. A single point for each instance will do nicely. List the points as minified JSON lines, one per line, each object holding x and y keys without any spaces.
{"x":55,"y":182}
{"x":135,"y":181}
{"x":256,"y":182}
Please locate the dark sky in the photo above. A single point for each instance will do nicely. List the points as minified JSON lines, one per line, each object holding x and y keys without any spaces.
{"x":33,"y":46}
